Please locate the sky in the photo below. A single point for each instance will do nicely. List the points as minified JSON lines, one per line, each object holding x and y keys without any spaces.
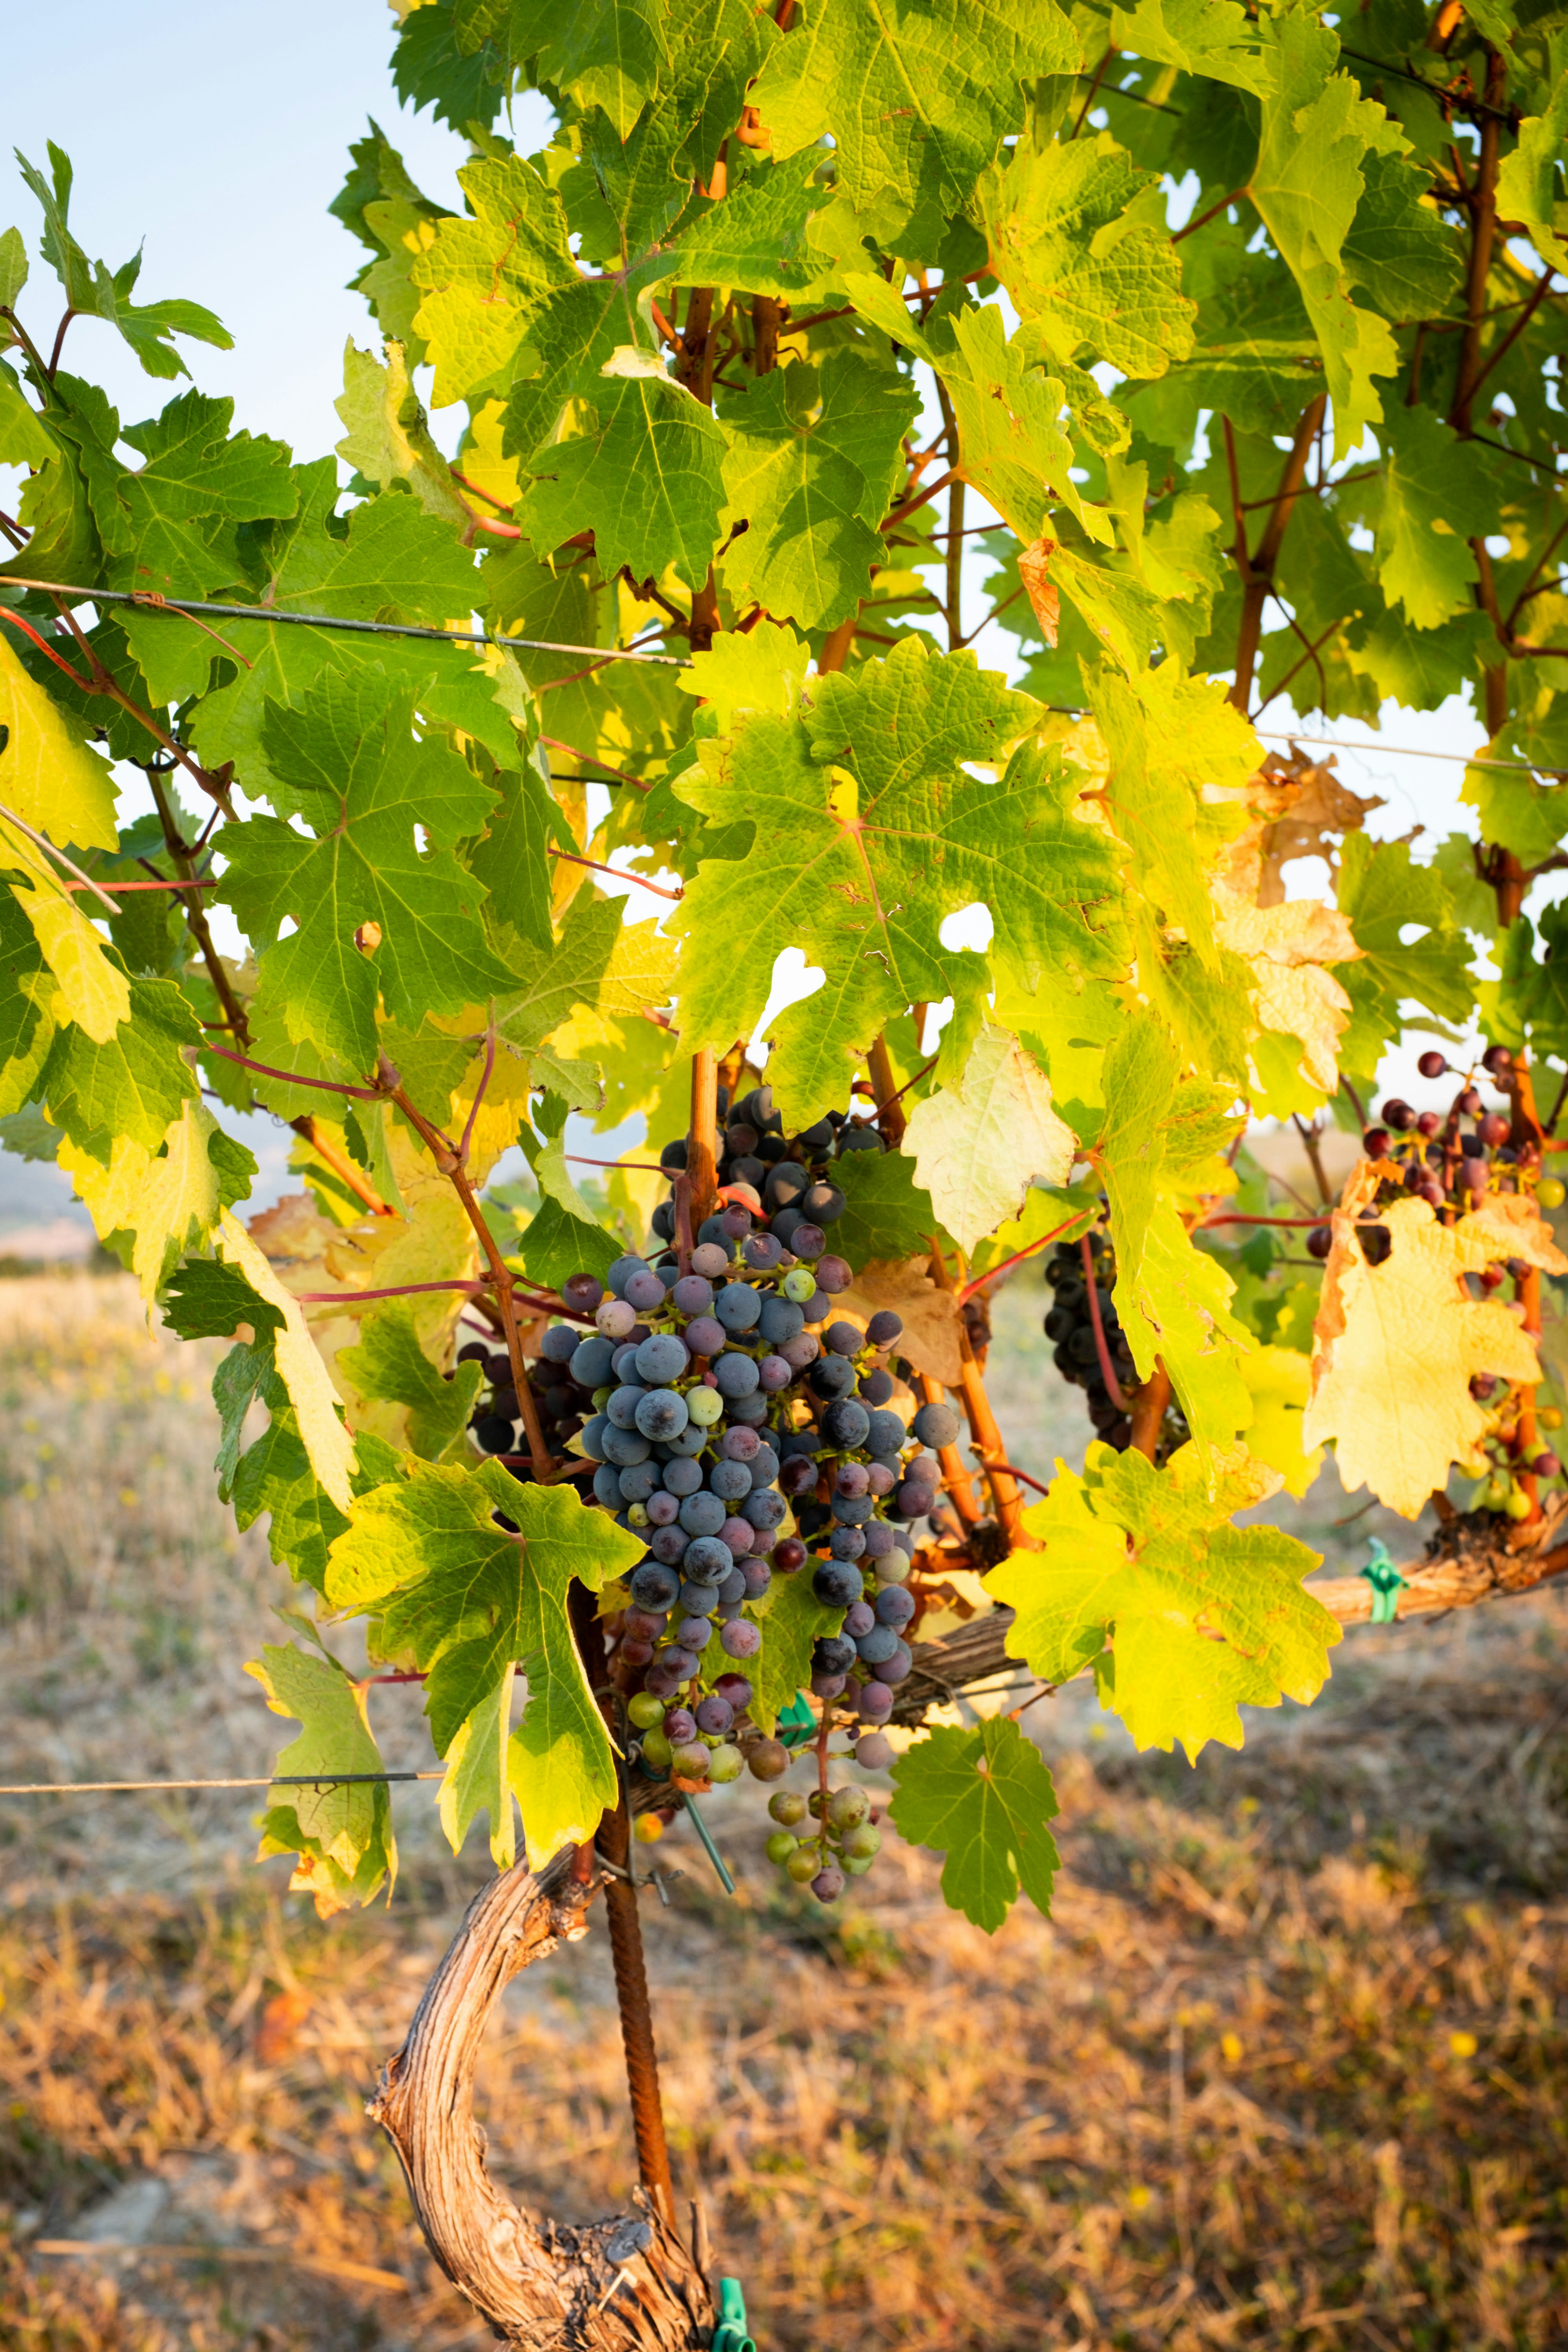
{"x":215,"y":137}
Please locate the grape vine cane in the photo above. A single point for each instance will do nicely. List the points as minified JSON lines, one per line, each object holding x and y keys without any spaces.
{"x":687,"y":1471}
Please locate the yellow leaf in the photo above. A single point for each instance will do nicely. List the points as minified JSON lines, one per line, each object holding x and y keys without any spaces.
{"x":1279,"y":1379}
{"x":1511,"y":1225}
{"x":1286,"y":946}
{"x":979,"y":1146}
{"x":47,"y":773}
{"x":89,"y":989}
{"x":1396,"y":1347}
{"x":300,"y":1368}
{"x":171,"y":1201}
{"x":929,"y":1341}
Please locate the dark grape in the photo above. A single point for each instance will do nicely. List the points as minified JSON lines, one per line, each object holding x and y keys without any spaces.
{"x":735,"y":1375}
{"x":894,"y":1607}
{"x":875,"y":1705}
{"x":896,"y":1668}
{"x":1494,"y":1130}
{"x":833,"y":1275}
{"x":738,"y":1306}
{"x":884,"y":1328}
{"x":621,"y":1406}
{"x":874,"y":1388}
{"x":558,"y":1346}
{"x":1320,"y":1241}
{"x":804,"y":1239}
{"x":1374,"y":1143}
{"x":581,"y":1292}
{"x":845,"y":1423}
{"x":832,"y":1377}
{"x":669,"y":1543}
{"x":654,"y":1585}
{"x":837,"y":1583}
{"x":494,"y":1433}
{"x":833,"y":1653}
{"x":1433,"y":1065}
{"x":936,"y":1424}
{"x":1397,"y":1114}
{"x":790,"y":1556}
{"x":1498,"y":1059}
{"x":1429,"y":1122}
{"x":740,"y":1639}
{"x":645,"y":1290}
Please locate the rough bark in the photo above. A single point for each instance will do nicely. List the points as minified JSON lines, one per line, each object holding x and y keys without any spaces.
{"x":628,"y":2283}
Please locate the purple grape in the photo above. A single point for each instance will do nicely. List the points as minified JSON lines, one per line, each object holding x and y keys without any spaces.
{"x":837,"y":1583}
{"x":829,"y":1685}
{"x":758,"y":1577}
{"x":833,"y":1274}
{"x":1546,"y":1466}
{"x":880,"y":1478}
{"x":853,"y":1479}
{"x":740,"y":1639}
{"x":644,"y":1291}
{"x":859,"y":1618}
{"x":736,"y":1689}
{"x":875,"y":1705}
{"x":894,"y":1606}
{"x":896,"y":1668}
{"x":807,"y":1241}
{"x":679,"y":1725}
{"x":739,"y":1445}
{"x":798,"y":1476}
{"x":739,"y":1536}
{"x":884,"y":1328}
{"x":873,"y":1753}
{"x":763,"y":1251}
{"x":800,"y":1351}
{"x":715,"y":1715}
{"x":693,"y":1634}
{"x":775,"y":1372}
{"x":827,"y":1885}
{"x":581,"y":1293}
{"x":710,"y":1259}
{"x":693,"y":1295}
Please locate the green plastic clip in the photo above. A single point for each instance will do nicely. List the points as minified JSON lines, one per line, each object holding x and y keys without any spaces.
{"x":731,"y":2335}
{"x":797,"y":1722}
{"x":1386,"y":1582}
{"x":701,"y":1826}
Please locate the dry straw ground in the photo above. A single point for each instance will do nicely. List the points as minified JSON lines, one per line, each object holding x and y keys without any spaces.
{"x":1286,"y":2070}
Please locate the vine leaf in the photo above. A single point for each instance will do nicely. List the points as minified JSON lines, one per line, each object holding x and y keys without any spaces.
{"x":1214,"y":39}
{"x":486,"y":277}
{"x":932,"y":1318}
{"x":292,"y":1352}
{"x":978,"y":1146}
{"x":1436,"y":497}
{"x":477,"y":1775}
{"x":983,"y":1797}
{"x":389,"y":1364}
{"x":1527,"y":179}
{"x":470,"y":1599}
{"x":48,"y":775}
{"x":809,"y":465}
{"x":886,"y":1214}
{"x":643,"y":476}
{"x":792,"y":1620}
{"x":1183,"y":1617}
{"x":153,"y":1206}
{"x":369,"y":788}
{"x":341,"y":1836}
{"x":131,"y":1086}
{"x":918,"y":99}
{"x":1396,"y":1347}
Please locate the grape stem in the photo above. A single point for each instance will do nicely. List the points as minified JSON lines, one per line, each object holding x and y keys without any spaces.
{"x":991,"y":1274}
{"x":1107,"y":1370}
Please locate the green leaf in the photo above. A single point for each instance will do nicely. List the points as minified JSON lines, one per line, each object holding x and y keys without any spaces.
{"x":355,"y":770}
{"x":886,"y":1215}
{"x":484,"y":278}
{"x":342,"y":1836}
{"x":24,"y":438}
{"x":153,"y":1206}
{"x":1438,"y":495}
{"x":756,"y":237}
{"x":810,"y":465}
{"x":1203,"y":1618}
{"x":13,"y":268}
{"x":389,"y":1363}
{"x":274,"y":1477}
{"x":983,"y":1797}
{"x":607,"y":53}
{"x":793,"y":1620}
{"x":290,"y":1352}
{"x":469,"y":1599}
{"x":132,"y":1086}
{"x":169,"y":527}
{"x":477,"y":1775}
{"x":1399,"y":250}
{"x":1212,"y":40}
{"x":1077,"y":235}
{"x":1383,"y":894}
{"x":645,"y":477}
{"x":1306,"y":187}
{"x":1168,"y":737}
{"x":388,"y":437}
{"x":916,"y":98}
{"x":1527,"y":180}
{"x":510,"y":860}
{"x":870,"y":833}
{"x":431,"y":67}
{"x":391,"y":562}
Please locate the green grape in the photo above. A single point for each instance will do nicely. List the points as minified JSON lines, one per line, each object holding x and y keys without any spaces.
{"x":1551,"y":1193}
{"x":705,"y":1405}
{"x":725,"y":1763}
{"x":803,"y":1864}
{"x":846,"y":1807}
{"x":1518,"y":1504}
{"x":856,"y":1866}
{"x":863,"y":1840}
{"x":780,"y":1847}
{"x":799,"y":1284}
{"x":788,"y":1806}
{"x":656,"y":1750}
{"x":645,"y":1710}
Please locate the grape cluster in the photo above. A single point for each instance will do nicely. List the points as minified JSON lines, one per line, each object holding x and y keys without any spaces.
{"x":1070,"y":1322}
{"x":562,"y":1402}
{"x":745,"y":1431}
{"x":844,"y":1843}
{"x":780,"y":1179}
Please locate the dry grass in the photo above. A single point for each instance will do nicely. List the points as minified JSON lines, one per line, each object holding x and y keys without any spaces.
{"x":1286,"y":2070}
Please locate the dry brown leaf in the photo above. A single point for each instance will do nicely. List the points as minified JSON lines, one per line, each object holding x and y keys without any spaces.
{"x":1034,"y":571}
{"x":1512,"y":1226}
{"x":1396,"y":1347}
{"x":1307,"y":807}
{"x":1285,"y":947}
{"x":293,"y":1231}
{"x":929,"y":1341}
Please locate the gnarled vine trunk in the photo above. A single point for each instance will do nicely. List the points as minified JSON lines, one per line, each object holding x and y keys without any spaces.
{"x":628,"y":2284}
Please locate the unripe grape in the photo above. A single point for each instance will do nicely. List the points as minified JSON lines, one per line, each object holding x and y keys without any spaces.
{"x":788,"y":1807}
{"x":725,"y":1764}
{"x":1548,"y":1417}
{"x":864,"y":1840}
{"x":803,"y":1864}
{"x":656,"y":1750}
{"x":1518,"y":1504}
{"x":645,"y":1710}
{"x":846,"y":1807}
{"x":769,"y":1760}
{"x":1551,"y":1192}
{"x":780,"y":1847}
{"x":874,"y":1753}
{"x":691,"y":1759}
{"x":649,"y":1829}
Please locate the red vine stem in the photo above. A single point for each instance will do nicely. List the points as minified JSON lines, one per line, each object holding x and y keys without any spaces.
{"x":1017,"y":1258}
{"x":292,"y":1078}
{"x":1106,"y":1370}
